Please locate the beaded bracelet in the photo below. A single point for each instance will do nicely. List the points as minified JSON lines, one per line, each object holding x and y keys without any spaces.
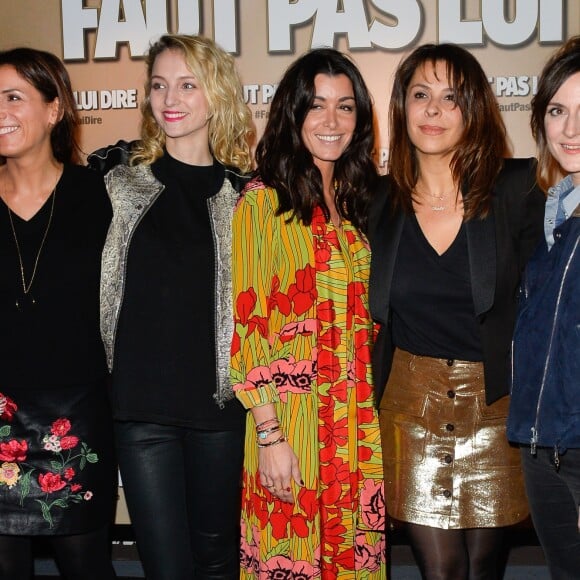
{"x":263,"y":423}
{"x":264,"y":433}
{"x":280,"y":439}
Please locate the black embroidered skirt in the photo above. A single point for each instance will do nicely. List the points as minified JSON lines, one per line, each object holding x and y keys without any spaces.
{"x":57,"y":467}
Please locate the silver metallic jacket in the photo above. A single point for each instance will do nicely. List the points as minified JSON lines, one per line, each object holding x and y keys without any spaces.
{"x":133,"y":190}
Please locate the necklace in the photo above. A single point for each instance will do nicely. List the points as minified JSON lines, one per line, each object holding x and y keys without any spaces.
{"x":438,"y":205}
{"x":21,"y":304}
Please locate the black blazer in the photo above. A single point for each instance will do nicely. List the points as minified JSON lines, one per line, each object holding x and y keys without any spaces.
{"x":498,"y":246}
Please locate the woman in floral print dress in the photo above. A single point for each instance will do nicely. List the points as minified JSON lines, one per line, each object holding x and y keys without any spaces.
{"x":312,"y":504}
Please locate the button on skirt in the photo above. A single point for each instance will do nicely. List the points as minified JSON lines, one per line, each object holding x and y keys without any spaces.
{"x":447,"y":461}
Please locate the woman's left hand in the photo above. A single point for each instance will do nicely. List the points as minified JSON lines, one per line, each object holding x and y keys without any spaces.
{"x":278,"y":467}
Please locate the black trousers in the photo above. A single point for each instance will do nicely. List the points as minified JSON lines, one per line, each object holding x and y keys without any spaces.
{"x":182,"y":488}
{"x":554,"y":497}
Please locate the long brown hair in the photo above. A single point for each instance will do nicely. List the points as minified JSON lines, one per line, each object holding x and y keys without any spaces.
{"x":479,"y":155}
{"x":562,"y":64}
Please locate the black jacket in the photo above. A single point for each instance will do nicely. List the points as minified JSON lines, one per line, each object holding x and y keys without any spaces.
{"x":498,"y":246}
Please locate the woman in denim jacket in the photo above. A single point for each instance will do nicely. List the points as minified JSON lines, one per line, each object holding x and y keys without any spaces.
{"x":545,"y":407}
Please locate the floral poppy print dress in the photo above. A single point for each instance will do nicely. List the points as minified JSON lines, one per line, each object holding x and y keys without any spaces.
{"x":302,"y":341}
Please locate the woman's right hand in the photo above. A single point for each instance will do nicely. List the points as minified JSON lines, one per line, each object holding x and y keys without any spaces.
{"x":278,"y":466}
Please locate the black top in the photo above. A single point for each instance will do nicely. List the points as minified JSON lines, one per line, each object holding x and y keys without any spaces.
{"x":431,"y":298}
{"x":55,"y":341}
{"x":165,"y":364}
{"x":53,"y":365}
{"x":498,"y":247}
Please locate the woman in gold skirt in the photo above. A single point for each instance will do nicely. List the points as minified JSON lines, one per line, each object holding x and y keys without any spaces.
{"x":450,"y":231}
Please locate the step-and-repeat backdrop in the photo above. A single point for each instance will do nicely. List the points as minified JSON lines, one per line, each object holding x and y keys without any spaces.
{"x":103,"y":41}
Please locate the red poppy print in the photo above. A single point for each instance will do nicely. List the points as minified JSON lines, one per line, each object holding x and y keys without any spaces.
{"x":245,"y":304}
{"x":291,"y":376}
{"x":356,"y":304}
{"x":303,"y":291}
{"x":372,"y":501}
{"x":13,"y":450}
{"x":325,"y":311}
{"x":322,"y":256}
{"x":283,"y":568}
{"x":301,"y":328}
{"x":257,"y":378}
{"x":57,"y":464}
{"x":69,"y":442}
{"x":236,"y":344}
{"x":278,"y":299}
{"x":368,"y":556}
{"x":7,"y":407}
{"x":60,"y":427}
{"x":249,"y":552}
{"x":50,"y":482}
{"x":328,"y":366}
{"x":331,"y":338}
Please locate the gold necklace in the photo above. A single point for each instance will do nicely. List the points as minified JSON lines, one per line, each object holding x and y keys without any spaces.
{"x":26,"y":287}
{"x":437,"y":206}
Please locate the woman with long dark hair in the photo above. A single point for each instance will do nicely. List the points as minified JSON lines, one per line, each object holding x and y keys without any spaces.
{"x":451,"y":230}
{"x":312,"y":503}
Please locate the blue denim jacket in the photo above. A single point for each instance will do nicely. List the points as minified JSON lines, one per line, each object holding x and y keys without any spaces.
{"x":545,"y":398}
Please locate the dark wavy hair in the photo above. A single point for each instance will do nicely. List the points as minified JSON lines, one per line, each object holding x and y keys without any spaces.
{"x":560,"y":66}
{"x":47,"y":74}
{"x":284,"y":162}
{"x":479,"y":155}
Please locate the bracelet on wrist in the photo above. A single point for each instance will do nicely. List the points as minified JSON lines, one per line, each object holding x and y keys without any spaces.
{"x":261,"y":435}
{"x":280,"y":439}
{"x":266,"y":422}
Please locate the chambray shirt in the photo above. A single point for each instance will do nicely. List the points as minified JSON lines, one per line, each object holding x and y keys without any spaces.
{"x":561,"y":203}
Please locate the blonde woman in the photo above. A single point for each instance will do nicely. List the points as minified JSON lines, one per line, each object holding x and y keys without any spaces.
{"x":166,"y":312}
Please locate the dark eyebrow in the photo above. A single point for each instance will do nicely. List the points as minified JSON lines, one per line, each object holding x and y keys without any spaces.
{"x":341,"y":99}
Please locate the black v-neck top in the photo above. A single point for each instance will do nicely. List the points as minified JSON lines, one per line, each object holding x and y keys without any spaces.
{"x":55,"y":341}
{"x":431,"y":299}
{"x":164,"y":370}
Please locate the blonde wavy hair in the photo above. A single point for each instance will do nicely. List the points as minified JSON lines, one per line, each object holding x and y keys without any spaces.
{"x":230,"y":124}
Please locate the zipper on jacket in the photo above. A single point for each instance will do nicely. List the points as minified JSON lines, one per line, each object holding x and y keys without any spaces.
{"x":534,"y":439}
{"x":126,"y":254}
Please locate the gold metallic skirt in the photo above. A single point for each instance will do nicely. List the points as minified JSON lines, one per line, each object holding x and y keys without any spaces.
{"x":446,"y":457}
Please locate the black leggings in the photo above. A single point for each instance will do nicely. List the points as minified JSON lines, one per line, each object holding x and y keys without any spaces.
{"x":79,"y":557}
{"x":182,"y":488}
{"x":554,"y":497}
